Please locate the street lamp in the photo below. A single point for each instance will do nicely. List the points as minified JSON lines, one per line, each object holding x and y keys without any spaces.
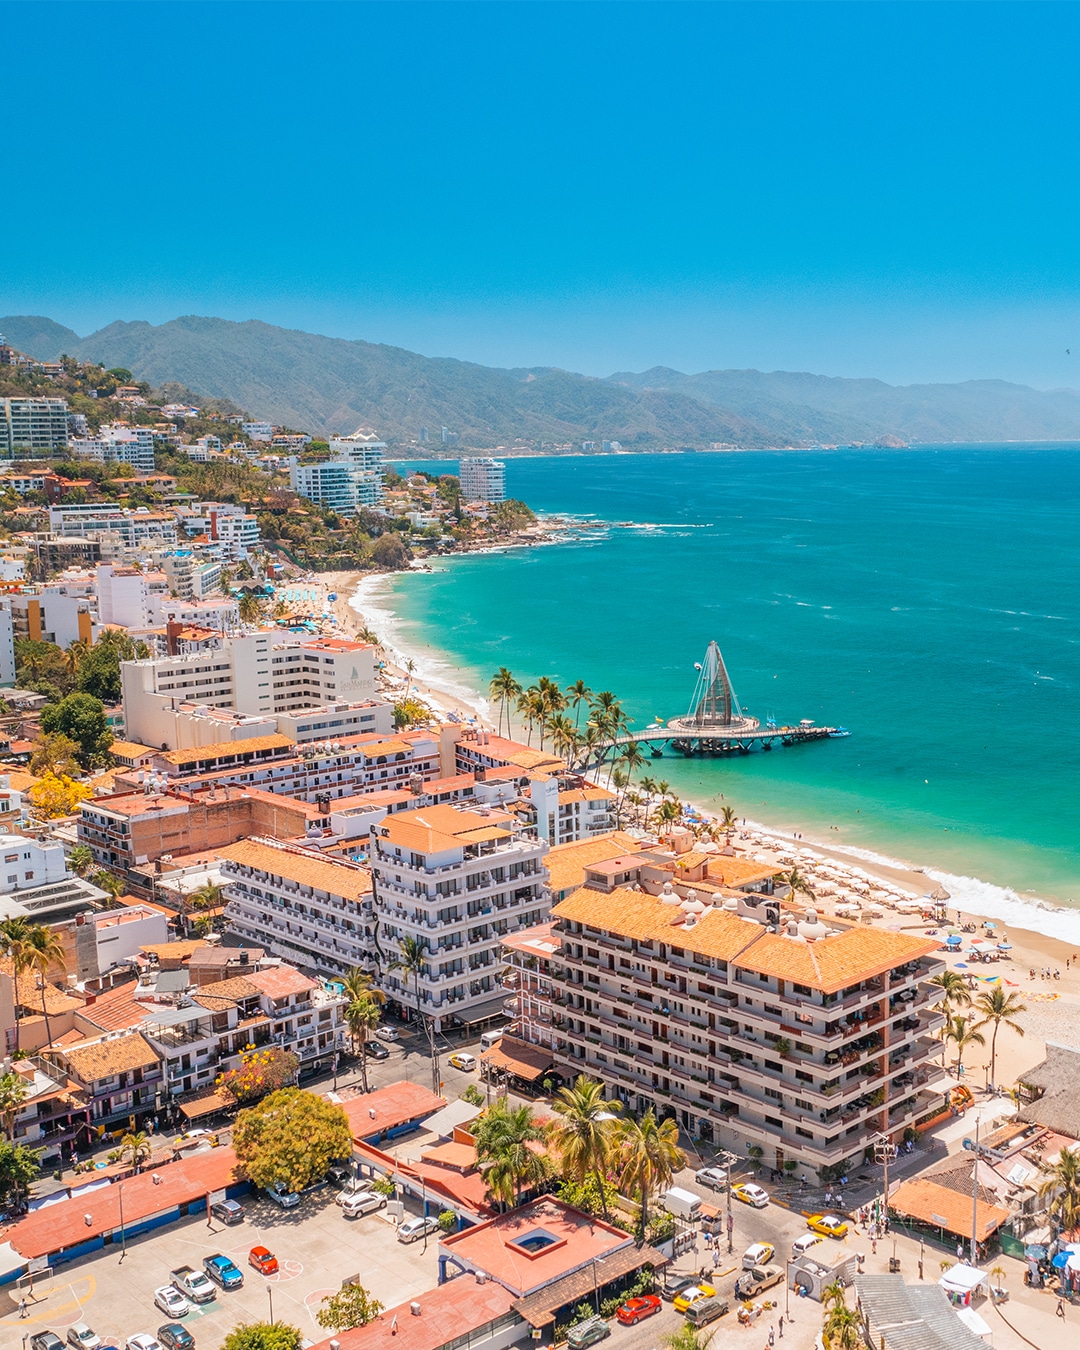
{"x":597,"y":1261}
{"x":123,"y":1230}
{"x":270,"y":1296}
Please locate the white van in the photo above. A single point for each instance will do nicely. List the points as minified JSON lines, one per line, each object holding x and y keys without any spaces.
{"x":685,"y":1204}
{"x":490,"y":1038}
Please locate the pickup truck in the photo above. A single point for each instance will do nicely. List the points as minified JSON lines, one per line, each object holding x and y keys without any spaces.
{"x":751,"y":1283}
{"x":193,"y":1284}
{"x":223,"y":1271}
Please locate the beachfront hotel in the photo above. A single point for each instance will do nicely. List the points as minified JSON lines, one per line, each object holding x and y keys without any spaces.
{"x":752,"y":1026}
{"x":458,"y":882}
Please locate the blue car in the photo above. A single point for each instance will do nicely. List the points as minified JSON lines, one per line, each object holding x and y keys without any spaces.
{"x":223,"y":1271}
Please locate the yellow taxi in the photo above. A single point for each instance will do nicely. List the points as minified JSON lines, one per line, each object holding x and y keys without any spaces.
{"x":693,"y":1295}
{"x":828,"y":1225}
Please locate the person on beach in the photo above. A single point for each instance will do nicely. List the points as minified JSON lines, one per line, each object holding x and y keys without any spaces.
{"x":1059,"y":1311}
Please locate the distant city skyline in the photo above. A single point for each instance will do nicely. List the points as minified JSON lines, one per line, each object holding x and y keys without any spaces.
{"x":880,"y":190}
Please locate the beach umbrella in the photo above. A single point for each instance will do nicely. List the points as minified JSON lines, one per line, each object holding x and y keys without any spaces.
{"x":1061,"y":1260}
{"x":940,"y":893}
{"x":1004,"y":946}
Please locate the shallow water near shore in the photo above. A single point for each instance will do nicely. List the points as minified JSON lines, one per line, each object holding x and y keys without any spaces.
{"x":927,"y":599}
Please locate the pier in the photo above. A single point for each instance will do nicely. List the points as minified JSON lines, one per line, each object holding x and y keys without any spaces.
{"x":716,"y":725}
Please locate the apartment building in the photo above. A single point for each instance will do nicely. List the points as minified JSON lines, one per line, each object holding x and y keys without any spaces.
{"x":138,"y":528}
{"x":232,"y":531}
{"x":265,"y":672}
{"x":118,"y":444}
{"x":36,"y":424}
{"x":458,"y":881}
{"x":187,"y":725}
{"x":566,"y":807}
{"x":337,"y":484}
{"x":482,"y":479}
{"x":315,"y":912}
{"x":60,"y":612}
{"x":753,"y":1027}
{"x":119,"y":1076}
{"x":258,"y":431}
{"x":7,"y":646}
{"x":191,"y":575}
{"x":474,"y":748}
{"x":218,"y":613}
{"x":128,"y":596}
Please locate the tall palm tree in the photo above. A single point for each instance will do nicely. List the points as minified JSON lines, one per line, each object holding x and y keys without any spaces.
{"x":44,"y":950}
{"x":209,"y":895}
{"x":410,"y":671}
{"x":584,"y":1136}
{"x":509,"y":1164}
{"x":632,"y":756}
{"x":504,"y":689}
{"x":728,"y":818}
{"x":362,"y":1015}
{"x":562,"y":733}
{"x":137,"y":1147}
{"x":249,"y":608}
{"x":963,"y":1033}
{"x":12,"y":1098}
{"x":842,"y":1329}
{"x":1061,"y":1184}
{"x":411,"y":959}
{"x":80,"y":860}
{"x":537,"y":712}
{"x":797,"y":881}
{"x":577,"y":694}
{"x":667,"y":813}
{"x":997,"y":1007}
{"x":15,"y":945}
{"x":649,"y":1156}
{"x":957,"y":994}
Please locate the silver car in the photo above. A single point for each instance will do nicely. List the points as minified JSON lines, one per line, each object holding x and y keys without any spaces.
{"x":171,"y":1302}
{"x":412,"y":1229}
{"x":82,"y":1337}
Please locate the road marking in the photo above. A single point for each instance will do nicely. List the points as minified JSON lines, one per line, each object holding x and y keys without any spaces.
{"x":55,"y":1312}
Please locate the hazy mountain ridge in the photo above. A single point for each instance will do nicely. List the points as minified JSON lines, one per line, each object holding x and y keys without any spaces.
{"x":324,"y":385}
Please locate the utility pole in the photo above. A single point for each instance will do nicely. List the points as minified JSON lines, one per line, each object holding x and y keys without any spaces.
{"x":884,"y":1152}
{"x":730,"y":1217}
{"x":975,"y":1198}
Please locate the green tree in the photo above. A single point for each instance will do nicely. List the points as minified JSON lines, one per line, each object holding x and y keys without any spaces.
{"x":962,"y":1032}
{"x":685,"y":1338}
{"x":577,"y":694}
{"x":350,"y":1307}
{"x":82,"y":718}
{"x":584,"y":1134}
{"x":136,"y":1148}
{"x":798,"y":881}
{"x":42,"y":667}
{"x":263,"y":1336}
{"x":362,"y":1015}
{"x":504,"y":690}
{"x":12,"y":1100}
{"x":505,"y":1136}
{"x":19,"y":1169}
{"x":957,"y":994}
{"x":595,"y":1197}
{"x":80,"y":860}
{"x":15,"y":945}
{"x":1060,"y":1185}
{"x":997,"y":1008}
{"x":56,"y":754}
{"x":250,"y":608}
{"x":44,"y":950}
{"x":291,"y":1137}
{"x":411,"y":960}
{"x":99,"y":666}
{"x":649,"y":1156}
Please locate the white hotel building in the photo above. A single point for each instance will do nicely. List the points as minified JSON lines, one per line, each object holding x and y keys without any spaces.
{"x":482,"y":479}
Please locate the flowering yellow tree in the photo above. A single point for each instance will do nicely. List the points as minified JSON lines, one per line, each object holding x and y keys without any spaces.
{"x":55,"y":795}
{"x":260,"y":1071}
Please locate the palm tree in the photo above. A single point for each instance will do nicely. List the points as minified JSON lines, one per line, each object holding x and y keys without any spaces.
{"x":411,"y":960}
{"x":584,"y":1137}
{"x":668,"y":812}
{"x":410,"y":671}
{"x":12,"y":1097}
{"x":15,"y":945}
{"x":728,"y":818}
{"x":686,"y":1338}
{"x":997,"y":1007}
{"x":137,"y":1146}
{"x":842,"y":1329}
{"x":963,"y":1033}
{"x":210,"y":895}
{"x":577,"y":694}
{"x":44,"y":949}
{"x":632,"y":756}
{"x":504,"y":689}
{"x":80,"y":860}
{"x":562,"y":733}
{"x":797,"y":881}
{"x":250,"y":608}
{"x":649,"y":1156}
{"x":833,"y":1296}
{"x":957,"y":994}
{"x":1061,"y":1184}
{"x":504,"y":1136}
{"x":107,"y":882}
{"x":362,"y":1015}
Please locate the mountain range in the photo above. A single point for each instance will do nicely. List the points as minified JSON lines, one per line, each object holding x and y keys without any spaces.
{"x":327,"y":385}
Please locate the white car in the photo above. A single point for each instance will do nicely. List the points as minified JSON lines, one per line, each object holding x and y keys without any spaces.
{"x":142,"y":1340}
{"x":714,"y":1177}
{"x":803,"y":1244}
{"x":82,"y":1337}
{"x":760,"y":1254}
{"x":171,"y":1302}
{"x":412,"y":1229}
{"x":387,"y":1034}
{"x":355,"y":1203}
{"x":750,"y":1194}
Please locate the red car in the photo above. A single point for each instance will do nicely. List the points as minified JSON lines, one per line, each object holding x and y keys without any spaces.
{"x":263,"y":1259}
{"x":634,"y":1309}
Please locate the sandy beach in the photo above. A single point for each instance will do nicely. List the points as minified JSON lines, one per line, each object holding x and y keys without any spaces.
{"x":1052,"y":1004}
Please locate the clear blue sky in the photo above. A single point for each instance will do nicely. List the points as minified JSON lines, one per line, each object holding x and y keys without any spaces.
{"x":856,"y":189}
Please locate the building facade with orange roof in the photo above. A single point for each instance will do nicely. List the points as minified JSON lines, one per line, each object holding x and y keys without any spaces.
{"x":753,"y":1026}
{"x":457,"y":882}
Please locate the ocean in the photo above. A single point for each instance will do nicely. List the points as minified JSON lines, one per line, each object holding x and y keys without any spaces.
{"x":926,"y":599}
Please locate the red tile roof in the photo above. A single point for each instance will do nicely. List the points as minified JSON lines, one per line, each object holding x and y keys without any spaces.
{"x":279,"y":981}
{"x":447,"y":1313}
{"x":394,"y":1105}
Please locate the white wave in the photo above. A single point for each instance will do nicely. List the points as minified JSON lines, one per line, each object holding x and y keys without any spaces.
{"x":1003,"y":904}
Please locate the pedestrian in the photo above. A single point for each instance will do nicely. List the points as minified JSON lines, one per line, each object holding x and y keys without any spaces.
{"x":959,"y":1251}
{"x":781,"y":1326}
{"x":22,"y":1308}
{"x":772,"y":1337}
{"x":1059,"y":1311}
{"x":873,"y":1246}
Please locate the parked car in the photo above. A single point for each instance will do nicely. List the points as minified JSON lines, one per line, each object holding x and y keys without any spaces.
{"x":223,"y":1271}
{"x":706,"y":1310}
{"x":714,"y":1177}
{"x":356,"y":1203}
{"x":175,"y":1337}
{"x":374,"y":1050}
{"x":227,"y":1211}
{"x":751,"y":1194}
{"x":636,"y":1309}
{"x":193,"y":1284}
{"x":751,"y":1283}
{"x":171,"y":1302}
{"x":412,"y":1229}
{"x":759,"y":1254}
{"x":263,"y":1260}
{"x":674,"y":1286}
{"x":465,"y":1062}
{"x":388,"y":1034}
{"x":803,"y":1244}
{"x":587,"y":1333}
{"x":46,"y":1340}
{"x":339,"y":1175}
{"x":694,"y":1294}
{"x":828,"y":1225}
{"x":280,"y":1196}
{"x":82,"y":1337}
{"x":142,"y":1340}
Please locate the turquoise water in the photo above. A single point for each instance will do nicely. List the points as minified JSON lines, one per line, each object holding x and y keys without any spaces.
{"x":926,"y":599}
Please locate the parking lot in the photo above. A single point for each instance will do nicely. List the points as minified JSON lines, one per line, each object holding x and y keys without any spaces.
{"x":316,"y":1247}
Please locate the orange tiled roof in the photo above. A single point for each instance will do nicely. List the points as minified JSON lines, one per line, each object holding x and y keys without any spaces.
{"x":639,"y":915}
{"x":224,"y":749}
{"x":566,"y":863}
{"x":336,"y":878}
{"x":832,"y":963}
{"x":102,"y":1059}
{"x":280,"y":981}
{"x":924,"y":1199}
{"x":738,"y":871}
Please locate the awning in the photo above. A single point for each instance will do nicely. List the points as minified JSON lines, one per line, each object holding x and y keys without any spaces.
{"x":483,"y":1012}
{"x":973,"y":1321}
{"x":539,"y":1309}
{"x":519,"y":1058}
{"x":962,"y":1279}
{"x":10,"y":1260}
{"x":206,"y":1104}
